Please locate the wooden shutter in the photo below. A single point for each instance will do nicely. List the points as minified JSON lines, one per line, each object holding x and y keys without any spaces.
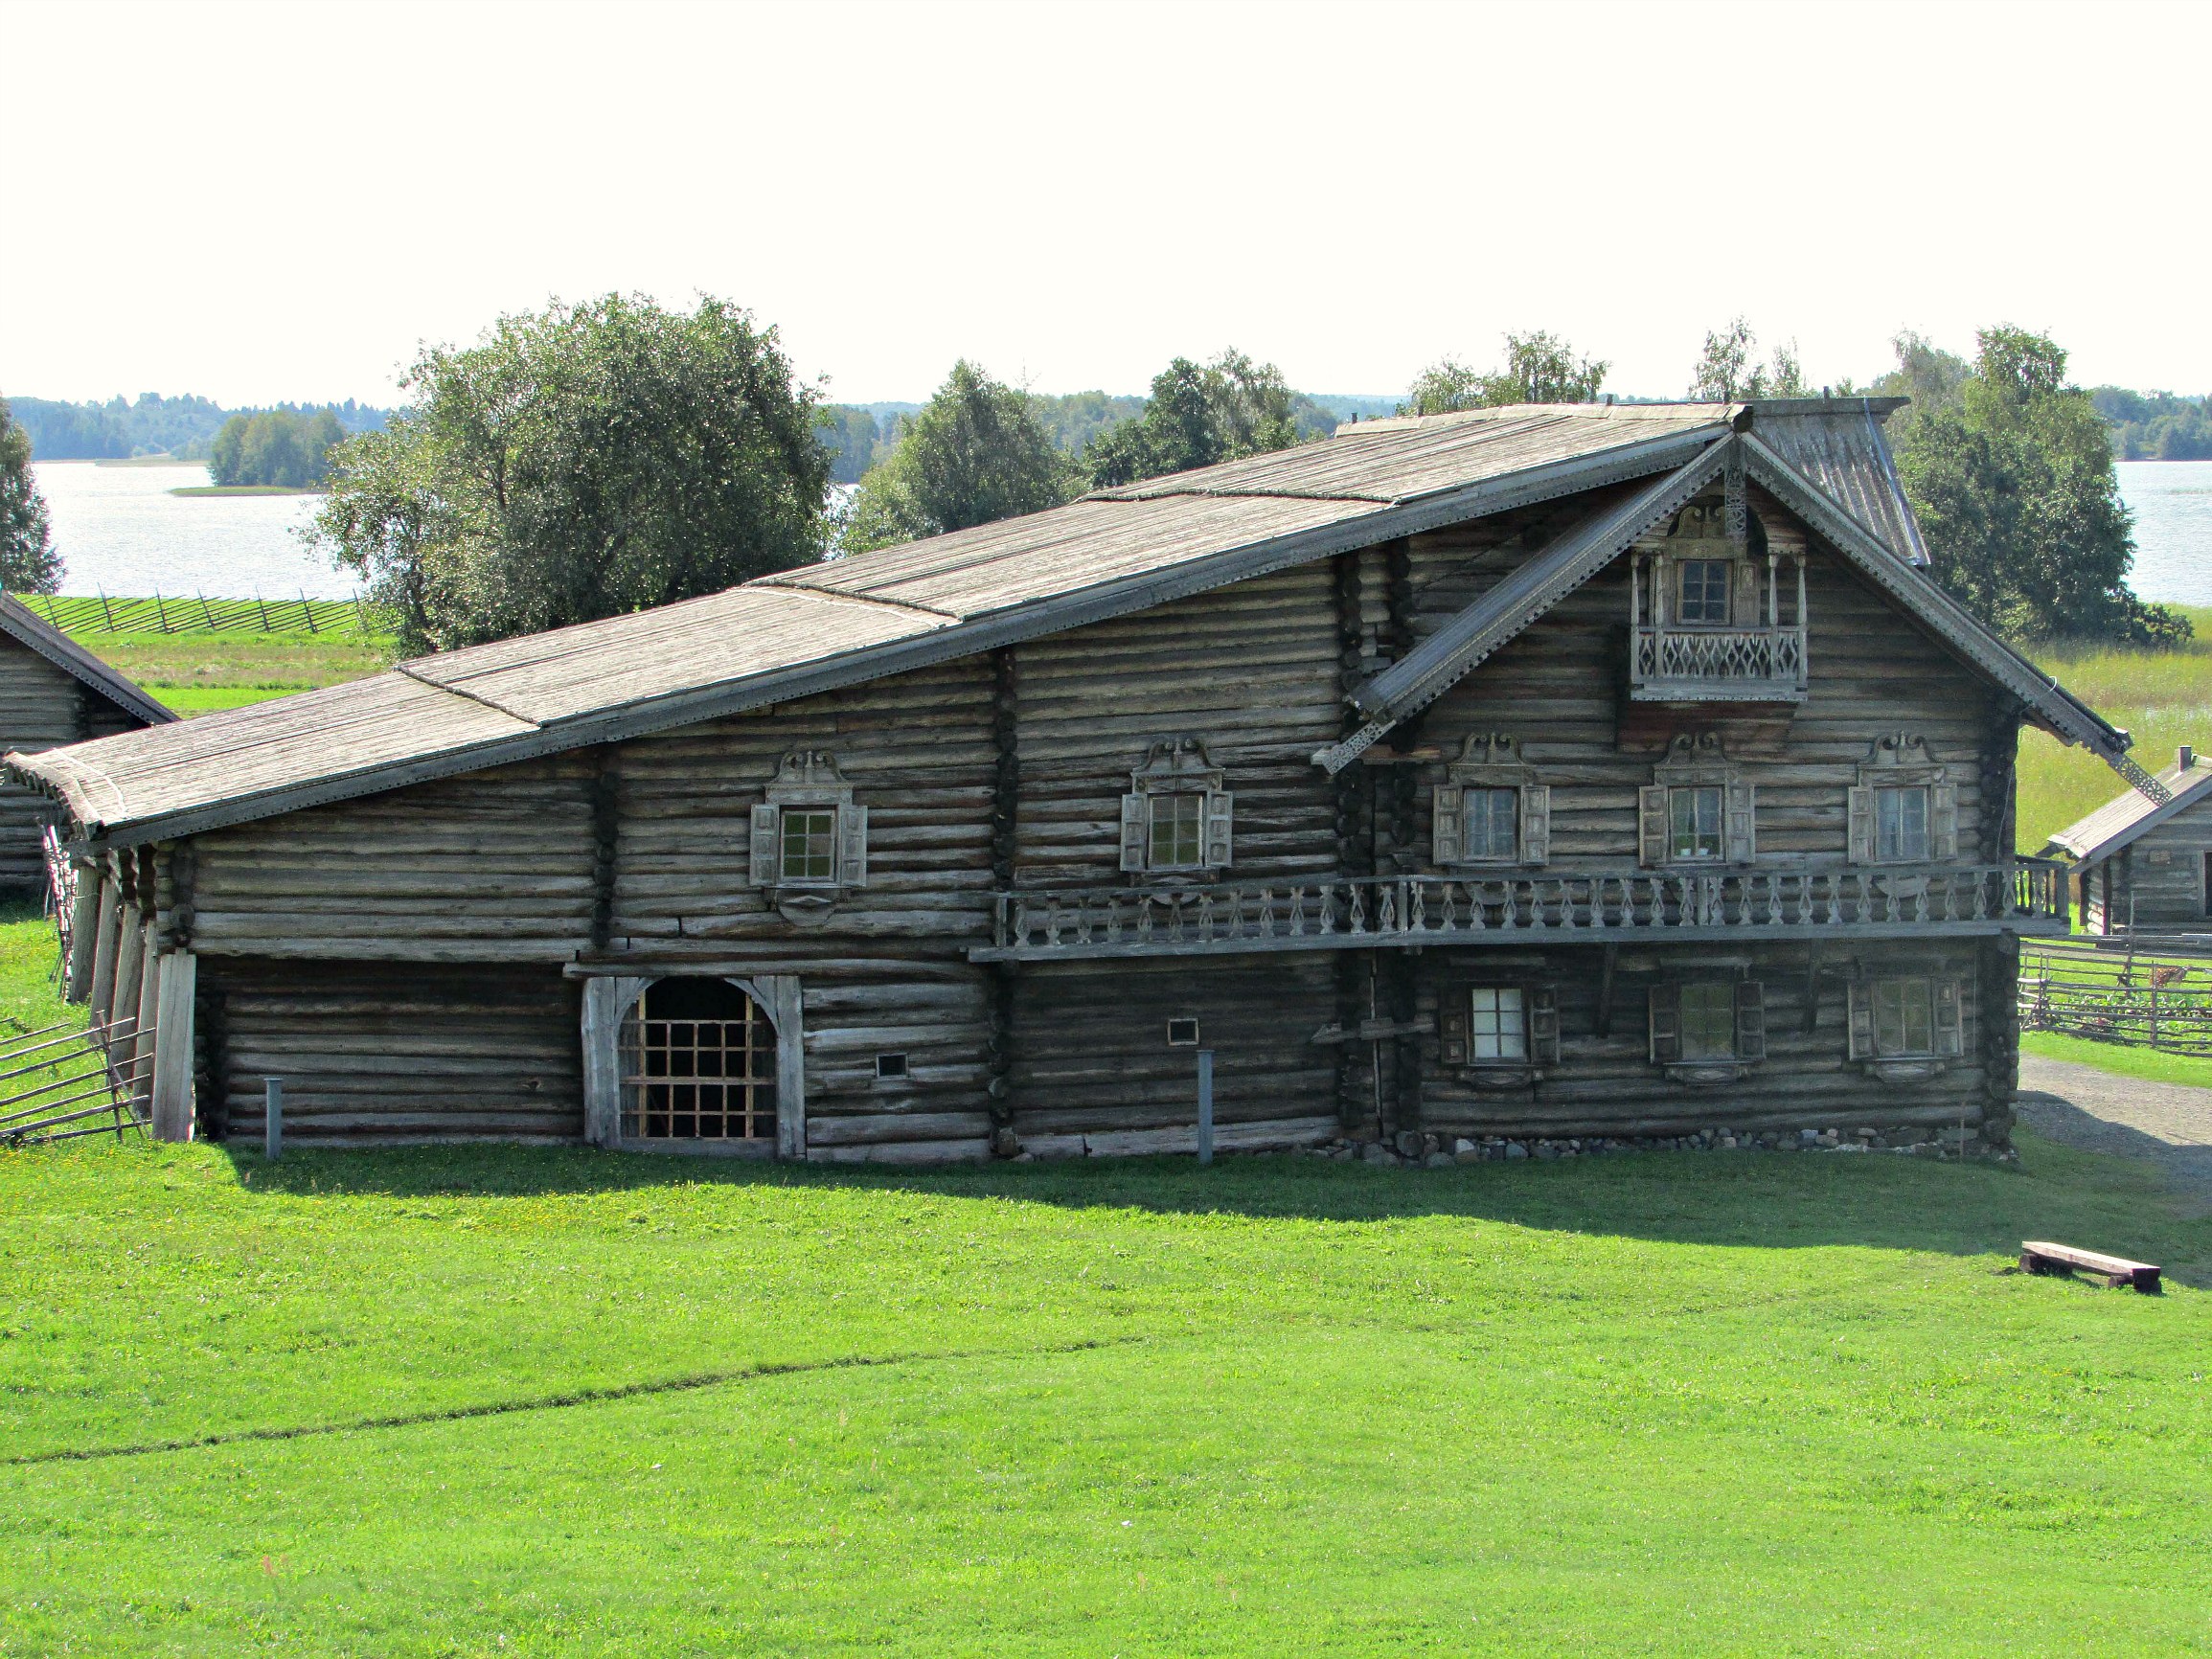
{"x":1859,"y":845}
{"x":1750,"y":1020}
{"x":1666,"y":1024}
{"x":852,"y":846}
{"x":1943,"y":821}
{"x":1949,"y":1028}
{"x":1861,"y":1019}
{"x":1741,"y":817}
{"x":1544,"y":1024}
{"x":1448,"y":823}
{"x":1451,"y":1028}
{"x":1651,"y":825}
{"x":1221,"y":840}
{"x":1134,"y":829}
{"x":1536,"y":824}
{"x":766,"y":827}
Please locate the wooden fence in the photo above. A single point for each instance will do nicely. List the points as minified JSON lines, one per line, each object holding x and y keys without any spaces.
{"x":2160,"y":1000}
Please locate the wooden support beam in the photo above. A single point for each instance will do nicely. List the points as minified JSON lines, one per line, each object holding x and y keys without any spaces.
{"x":177,"y":983}
{"x":605,"y":1000}
{"x":129,"y":966}
{"x":1608,"y":960}
{"x":141,"y":1047}
{"x":107,"y":936}
{"x":84,"y":931}
{"x":786,"y":1009}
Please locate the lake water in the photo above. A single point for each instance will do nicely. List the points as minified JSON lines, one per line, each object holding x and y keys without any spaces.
{"x":122,"y":531}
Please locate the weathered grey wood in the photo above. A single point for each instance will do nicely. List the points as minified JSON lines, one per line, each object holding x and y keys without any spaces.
{"x":105,"y":938}
{"x":141,"y":1047}
{"x":122,"y":1013}
{"x":786,"y":1009}
{"x":173,"y":1049}
{"x":605,"y":1001}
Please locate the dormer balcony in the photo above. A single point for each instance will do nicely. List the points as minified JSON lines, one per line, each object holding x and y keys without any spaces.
{"x":1716,"y":617}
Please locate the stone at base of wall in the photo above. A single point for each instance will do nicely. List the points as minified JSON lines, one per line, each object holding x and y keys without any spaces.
{"x":1412,"y":1150}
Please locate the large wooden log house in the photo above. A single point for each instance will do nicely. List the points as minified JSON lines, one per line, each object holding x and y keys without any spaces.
{"x":1543,"y":771}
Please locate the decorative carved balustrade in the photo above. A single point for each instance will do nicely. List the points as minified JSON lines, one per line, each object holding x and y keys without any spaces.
{"x":1736,"y":662}
{"x":1348,"y":914}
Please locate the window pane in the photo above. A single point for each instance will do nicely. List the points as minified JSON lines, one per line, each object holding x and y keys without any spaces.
{"x":1901,"y":825}
{"x":1704,"y":590}
{"x":1175,"y":822}
{"x":1694,"y":822}
{"x":809,"y":844}
{"x":1497,"y":1026}
{"x":1493,"y":823}
{"x":1708,"y":1022}
{"x":1903,"y":1017}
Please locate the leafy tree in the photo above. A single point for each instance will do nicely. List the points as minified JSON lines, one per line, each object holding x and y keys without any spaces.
{"x":1538,"y":368}
{"x":1198,"y":415}
{"x":2156,"y":426}
{"x":853,"y":439}
{"x":976,"y":453}
{"x":581,"y":461}
{"x":1728,"y":368}
{"x":28,"y":561}
{"x":2013,"y":486}
{"x":275,"y":447}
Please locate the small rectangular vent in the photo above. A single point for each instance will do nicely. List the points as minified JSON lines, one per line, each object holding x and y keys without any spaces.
{"x":1182,"y":1033}
{"x":890,"y":1065}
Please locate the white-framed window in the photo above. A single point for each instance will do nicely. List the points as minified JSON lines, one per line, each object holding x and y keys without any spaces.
{"x":1907,"y":1017}
{"x":1904,"y":809}
{"x":1489,"y":808}
{"x":1503,"y":1028}
{"x":1698,"y":807}
{"x":1707,"y":1030}
{"x":809,"y":838}
{"x":1177,"y":819}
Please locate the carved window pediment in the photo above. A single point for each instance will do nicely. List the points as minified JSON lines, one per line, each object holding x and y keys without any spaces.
{"x":1698,"y":807}
{"x":1904,"y":809}
{"x":1178,"y":818}
{"x":809,"y":838}
{"x":1491,"y":809}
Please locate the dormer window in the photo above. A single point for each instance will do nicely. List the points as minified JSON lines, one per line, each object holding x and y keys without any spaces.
{"x":1177,"y":819}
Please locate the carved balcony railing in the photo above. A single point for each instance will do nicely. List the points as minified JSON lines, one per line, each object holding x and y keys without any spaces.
{"x":1717,"y":664}
{"x":2026,"y":896}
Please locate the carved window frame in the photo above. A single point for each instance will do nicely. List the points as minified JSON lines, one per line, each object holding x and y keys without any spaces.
{"x":1539,"y":1012}
{"x":1748,"y":999}
{"x":1949,"y":1037}
{"x":1489,"y":761}
{"x":1901,"y":760}
{"x":808,"y":779}
{"x":1178,"y":766}
{"x":1695,"y":762}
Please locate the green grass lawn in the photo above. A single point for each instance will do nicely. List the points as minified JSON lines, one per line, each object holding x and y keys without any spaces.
{"x":544,"y":1401}
{"x":201,"y":670}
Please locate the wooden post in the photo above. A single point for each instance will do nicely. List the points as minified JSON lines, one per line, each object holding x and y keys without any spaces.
{"x":84,"y":931}
{"x":272,"y":1118}
{"x":129,"y":963}
{"x":106,"y":934}
{"x":605,"y":1000}
{"x":786,"y":1010}
{"x":178,"y":981}
{"x":1205,"y":1105}
{"x":147,"y":1026}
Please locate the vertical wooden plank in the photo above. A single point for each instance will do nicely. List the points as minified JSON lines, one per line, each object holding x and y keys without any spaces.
{"x":84,"y":931}
{"x":178,"y":975}
{"x":129,"y":963}
{"x":786,"y":1009}
{"x":106,"y":936}
{"x":605,"y":1001}
{"x":141,"y":1046}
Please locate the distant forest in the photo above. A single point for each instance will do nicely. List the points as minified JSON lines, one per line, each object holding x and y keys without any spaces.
{"x":2156,"y":426}
{"x":861,"y":435}
{"x":184,"y":427}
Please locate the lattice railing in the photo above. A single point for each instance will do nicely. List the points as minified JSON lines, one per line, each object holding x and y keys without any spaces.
{"x":2029,"y":895}
{"x":1775,"y":654}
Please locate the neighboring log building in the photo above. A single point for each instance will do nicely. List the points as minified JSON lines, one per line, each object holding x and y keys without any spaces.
{"x":2144,"y":865}
{"x":51,"y":692}
{"x":1545,"y":771}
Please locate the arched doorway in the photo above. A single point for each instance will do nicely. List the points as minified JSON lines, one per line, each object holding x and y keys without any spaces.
{"x":697,"y":1062}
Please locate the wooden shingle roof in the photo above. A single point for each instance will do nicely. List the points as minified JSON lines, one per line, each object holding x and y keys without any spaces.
{"x":812,"y":630}
{"x":27,"y":627}
{"x":2126,"y":817}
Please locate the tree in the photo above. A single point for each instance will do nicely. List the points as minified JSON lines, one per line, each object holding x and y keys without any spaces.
{"x":28,"y":561}
{"x":275,"y":447}
{"x":1538,"y":368}
{"x":2014,"y":485}
{"x":1198,"y":415}
{"x":976,"y":453}
{"x":1728,"y":368}
{"x":576,"y":463}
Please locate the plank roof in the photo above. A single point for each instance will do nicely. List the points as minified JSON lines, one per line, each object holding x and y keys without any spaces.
{"x":27,"y":627}
{"x":2128,"y":817}
{"x":852,"y":619}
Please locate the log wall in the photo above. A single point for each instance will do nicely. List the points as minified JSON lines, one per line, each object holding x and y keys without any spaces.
{"x":41,"y":707}
{"x":2158,"y":882}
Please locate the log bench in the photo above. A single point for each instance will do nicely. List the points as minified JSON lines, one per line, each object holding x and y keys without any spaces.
{"x":2039,"y":1256}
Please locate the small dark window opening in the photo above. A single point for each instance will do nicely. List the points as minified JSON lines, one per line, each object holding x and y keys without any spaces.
{"x":890,"y":1065}
{"x":1182,"y":1033}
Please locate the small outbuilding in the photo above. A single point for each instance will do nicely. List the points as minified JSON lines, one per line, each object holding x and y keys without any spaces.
{"x":2145,"y":865}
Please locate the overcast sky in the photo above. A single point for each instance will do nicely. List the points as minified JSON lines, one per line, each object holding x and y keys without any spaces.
{"x":275,"y":203}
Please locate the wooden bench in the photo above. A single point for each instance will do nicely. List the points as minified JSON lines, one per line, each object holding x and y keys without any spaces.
{"x":2039,"y":1256}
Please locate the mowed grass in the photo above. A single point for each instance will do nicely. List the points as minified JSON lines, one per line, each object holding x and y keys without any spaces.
{"x":197,"y":672}
{"x":450,"y":1400}
{"x":2163,"y":697}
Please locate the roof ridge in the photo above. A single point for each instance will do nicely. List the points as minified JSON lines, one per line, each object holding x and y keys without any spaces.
{"x":497,"y":708}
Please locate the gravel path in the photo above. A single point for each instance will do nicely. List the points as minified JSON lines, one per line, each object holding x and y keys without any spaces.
{"x":2169,"y":1124}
